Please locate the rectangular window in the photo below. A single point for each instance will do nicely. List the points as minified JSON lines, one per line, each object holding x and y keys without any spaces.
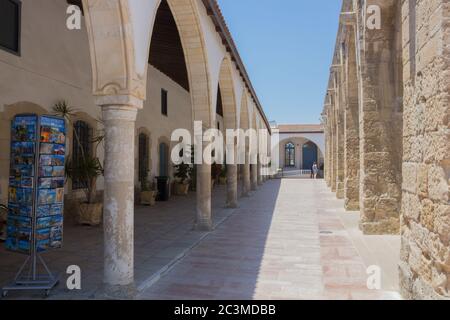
{"x":164,"y":102}
{"x":10,"y":25}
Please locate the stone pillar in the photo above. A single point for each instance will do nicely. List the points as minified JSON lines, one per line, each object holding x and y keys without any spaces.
{"x":333,"y":148}
{"x":232,"y":186}
{"x":351,"y":126}
{"x":381,"y":126}
{"x":259,"y":173}
{"x":118,"y":211}
{"x":339,"y":142}
{"x":246,"y":182}
{"x":254,"y":176}
{"x":203,"y":220}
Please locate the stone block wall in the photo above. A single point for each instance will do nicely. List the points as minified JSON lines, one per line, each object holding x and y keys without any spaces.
{"x":425,"y":253}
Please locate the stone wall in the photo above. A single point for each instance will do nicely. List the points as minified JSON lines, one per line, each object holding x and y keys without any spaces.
{"x":425,"y":253}
{"x":396,"y":98}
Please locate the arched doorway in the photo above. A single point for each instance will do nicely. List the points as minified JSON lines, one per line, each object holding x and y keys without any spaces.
{"x":289,"y":149}
{"x":309,"y":155}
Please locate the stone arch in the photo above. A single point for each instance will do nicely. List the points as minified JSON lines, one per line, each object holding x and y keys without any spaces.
{"x":244,"y":119}
{"x":186,"y":17}
{"x":228,"y":95}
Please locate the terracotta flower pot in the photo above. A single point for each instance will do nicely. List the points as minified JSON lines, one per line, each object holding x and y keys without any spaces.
{"x":181,"y":189}
{"x":90,"y":213}
{"x":148,"y":198}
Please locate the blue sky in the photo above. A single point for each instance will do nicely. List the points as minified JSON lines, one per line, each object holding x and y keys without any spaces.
{"x":287,"y":47}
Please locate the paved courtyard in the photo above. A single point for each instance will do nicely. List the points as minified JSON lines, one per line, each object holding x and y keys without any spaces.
{"x":289,"y":240}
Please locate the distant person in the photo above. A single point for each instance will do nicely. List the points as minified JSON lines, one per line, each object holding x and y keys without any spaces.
{"x":315,"y":170}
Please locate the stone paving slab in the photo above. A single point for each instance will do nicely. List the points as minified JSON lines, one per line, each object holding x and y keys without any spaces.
{"x":287,"y":241}
{"x":162,"y":234}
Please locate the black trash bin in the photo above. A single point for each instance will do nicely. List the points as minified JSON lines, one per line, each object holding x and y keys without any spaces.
{"x":163,"y":187}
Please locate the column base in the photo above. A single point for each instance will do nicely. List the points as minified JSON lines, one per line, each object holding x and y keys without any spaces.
{"x":389,"y":226}
{"x":204,"y":226}
{"x":118,"y":292}
{"x":232,"y":205}
{"x":351,"y":205}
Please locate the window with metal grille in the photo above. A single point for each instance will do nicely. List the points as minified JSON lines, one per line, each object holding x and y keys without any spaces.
{"x":164,"y":110}
{"x":144,"y":156}
{"x":82,"y":148}
{"x":290,"y":155}
{"x":10,"y":13}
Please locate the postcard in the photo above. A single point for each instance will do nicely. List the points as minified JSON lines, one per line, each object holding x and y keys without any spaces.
{"x":43,"y":211}
{"x":59,"y":195}
{"x":45,"y":171}
{"x":45,"y":160}
{"x":45,"y":183}
{"x":24,"y":234}
{"x":43,"y":223}
{"x":59,"y":149}
{"x":24,"y":246}
{"x":24,"y":128}
{"x":43,"y":245}
{"x":58,"y":171}
{"x":23,"y":222}
{"x":22,"y":148}
{"x":56,"y":209}
{"x":56,"y":233}
{"x":12,"y":195}
{"x":24,"y":196}
{"x":42,"y":234}
{"x":58,"y":183}
{"x":56,"y":221}
{"x":26,"y":211}
{"x":46,"y":148}
{"x":14,"y":209}
{"x":46,"y":196}
{"x":58,"y":160}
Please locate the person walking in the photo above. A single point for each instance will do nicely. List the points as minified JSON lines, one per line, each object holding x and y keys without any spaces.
{"x":315,"y":170}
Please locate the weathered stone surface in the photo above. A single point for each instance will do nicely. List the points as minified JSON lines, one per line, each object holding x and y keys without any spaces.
{"x":403,"y":111}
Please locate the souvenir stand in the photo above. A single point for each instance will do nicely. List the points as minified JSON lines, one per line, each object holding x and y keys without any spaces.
{"x":35,"y":197}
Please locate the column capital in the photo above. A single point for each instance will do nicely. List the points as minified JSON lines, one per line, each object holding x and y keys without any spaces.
{"x":119,"y":101}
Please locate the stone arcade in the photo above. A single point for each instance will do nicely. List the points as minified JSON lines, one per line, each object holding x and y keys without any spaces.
{"x":134,"y":56}
{"x":386,"y":120}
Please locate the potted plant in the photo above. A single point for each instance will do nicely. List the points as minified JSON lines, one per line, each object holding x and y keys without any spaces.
{"x":86,"y":169}
{"x":223,"y":175}
{"x":181,"y":185}
{"x":147,"y":194}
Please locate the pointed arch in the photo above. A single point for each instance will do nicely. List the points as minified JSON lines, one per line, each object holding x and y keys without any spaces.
{"x":244,"y":119}
{"x":227,"y":94}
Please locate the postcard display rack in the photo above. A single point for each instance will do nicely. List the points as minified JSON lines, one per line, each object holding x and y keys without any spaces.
{"x":35,"y":197}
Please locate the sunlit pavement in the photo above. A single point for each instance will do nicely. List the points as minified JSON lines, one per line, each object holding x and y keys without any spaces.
{"x":290,"y":240}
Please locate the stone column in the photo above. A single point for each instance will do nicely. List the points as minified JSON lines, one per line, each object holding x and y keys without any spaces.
{"x":351,"y":127}
{"x":333,"y":148}
{"x":381,"y":126}
{"x":254,"y":176}
{"x":339,"y":117}
{"x":259,"y":173}
{"x":203,"y":220}
{"x":118,"y":211}
{"x":232,"y":186}
{"x":246,"y":179}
